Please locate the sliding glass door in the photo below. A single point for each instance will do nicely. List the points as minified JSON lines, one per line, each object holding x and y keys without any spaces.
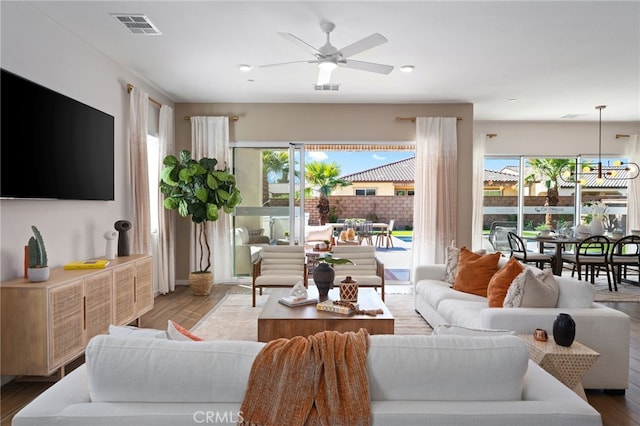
{"x":270,"y":179}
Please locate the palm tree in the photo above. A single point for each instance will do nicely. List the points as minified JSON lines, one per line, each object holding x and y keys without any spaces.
{"x":277,"y":164}
{"x":550,"y":169}
{"x":323,"y":177}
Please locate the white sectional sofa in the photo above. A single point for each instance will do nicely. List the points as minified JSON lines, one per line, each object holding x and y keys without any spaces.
{"x":605,"y":330}
{"x":413,"y":380}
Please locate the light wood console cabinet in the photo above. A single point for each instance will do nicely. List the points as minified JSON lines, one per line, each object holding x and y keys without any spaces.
{"x":46,"y":325}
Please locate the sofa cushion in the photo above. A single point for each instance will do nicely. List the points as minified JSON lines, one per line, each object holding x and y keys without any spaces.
{"x":436,"y":291}
{"x":500,"y":282}
{"x":446,"y":368}
{"x":462,"y":312}
{"x":157,"y":370}
{"x":136,"y":332}
{"x":457,"y":330}
{"x":452,"y":253}
{"x":475,"y":271}
{"x":533,"y":288}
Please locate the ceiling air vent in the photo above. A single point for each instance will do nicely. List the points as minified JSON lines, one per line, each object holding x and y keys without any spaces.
{"x":325,"y":87}
{"x":137,"y":23}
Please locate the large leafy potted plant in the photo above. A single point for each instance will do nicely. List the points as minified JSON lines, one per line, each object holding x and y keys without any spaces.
{"x":198,"y":190}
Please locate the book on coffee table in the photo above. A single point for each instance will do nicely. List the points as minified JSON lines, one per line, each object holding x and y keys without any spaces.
{"x":329,"y":306}
{"x":293,"y":301}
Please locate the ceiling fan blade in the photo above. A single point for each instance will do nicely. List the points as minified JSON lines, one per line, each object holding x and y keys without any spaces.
{"x":306,"y":46}
{"x":366,"y":66}
{"x":287,"y":63}
{"x":324,"y":75}
{"x":360,"y":46}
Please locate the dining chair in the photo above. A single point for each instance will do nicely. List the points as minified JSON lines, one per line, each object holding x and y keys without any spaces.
{"x":519,"y":251}
{"x":624,"y":253}
{"x":279,"y":266}
{"x":592,"y":253}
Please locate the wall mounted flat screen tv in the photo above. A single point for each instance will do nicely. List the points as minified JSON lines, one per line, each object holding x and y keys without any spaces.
{"x":52,"y":146}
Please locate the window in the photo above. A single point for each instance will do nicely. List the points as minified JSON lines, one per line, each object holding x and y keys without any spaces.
{"x":366,"y":191}
{"x":400,"y":192}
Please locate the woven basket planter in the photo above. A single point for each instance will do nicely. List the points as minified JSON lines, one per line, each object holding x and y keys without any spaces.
{"x":200,"y":283}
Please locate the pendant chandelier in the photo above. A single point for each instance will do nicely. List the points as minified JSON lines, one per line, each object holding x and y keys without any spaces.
{"x":590,"y":173}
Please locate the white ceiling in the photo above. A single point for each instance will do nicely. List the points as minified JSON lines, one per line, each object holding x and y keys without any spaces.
{"x":553,"y":58}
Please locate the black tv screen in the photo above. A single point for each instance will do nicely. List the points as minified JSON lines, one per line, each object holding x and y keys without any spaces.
{"x":52,"y":146}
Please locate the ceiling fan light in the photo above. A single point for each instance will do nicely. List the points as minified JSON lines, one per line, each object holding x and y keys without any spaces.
{"x":328,"y":66}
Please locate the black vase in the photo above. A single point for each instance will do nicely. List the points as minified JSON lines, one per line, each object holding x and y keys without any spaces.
{"x":564,"y":330}
{"x":122,"y":226}
{"x":323,"y":276}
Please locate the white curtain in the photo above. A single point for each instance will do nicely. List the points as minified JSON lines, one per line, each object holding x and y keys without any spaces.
{"x":166,"y":218}
{"x":435,"y":204}
{"x":633,"y":195}
{"x":140,"y":236}
{"x":477,"y":191}
{"x":210,"y":138}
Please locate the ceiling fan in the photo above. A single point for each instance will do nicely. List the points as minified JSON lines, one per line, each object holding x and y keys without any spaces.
{"x":328,"y":57}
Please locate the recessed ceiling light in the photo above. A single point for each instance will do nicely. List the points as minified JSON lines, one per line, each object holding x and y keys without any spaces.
{"x":407,"y":68}
{"x":512,"y":100}
{"x":244,"y":67}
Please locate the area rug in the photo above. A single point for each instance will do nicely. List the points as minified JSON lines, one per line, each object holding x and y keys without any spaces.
{"x":625,"y":293}
{"x":234,"y":318}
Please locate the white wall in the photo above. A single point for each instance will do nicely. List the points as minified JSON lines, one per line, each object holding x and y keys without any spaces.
{"x":38,"y":49}
{"x":561,"y":138}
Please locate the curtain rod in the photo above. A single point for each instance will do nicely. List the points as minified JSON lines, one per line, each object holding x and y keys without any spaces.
{"x":231,"y":117}
{"x":414,"y":119}
{"x":153,"y":101}
{"x":618,"y":136}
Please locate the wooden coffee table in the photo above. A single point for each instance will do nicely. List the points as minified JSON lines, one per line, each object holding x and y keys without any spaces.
{"x":277,"y":320}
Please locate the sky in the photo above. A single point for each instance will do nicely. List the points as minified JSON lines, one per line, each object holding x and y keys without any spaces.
{"x":354,"y":162}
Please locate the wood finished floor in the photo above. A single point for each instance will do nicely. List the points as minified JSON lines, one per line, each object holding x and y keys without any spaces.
{"x":182,"y":307}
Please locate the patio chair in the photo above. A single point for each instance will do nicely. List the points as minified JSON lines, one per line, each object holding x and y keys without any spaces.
{"x":498,"y":235}
{"x":279,"y":266}
{"x":384,"y":236}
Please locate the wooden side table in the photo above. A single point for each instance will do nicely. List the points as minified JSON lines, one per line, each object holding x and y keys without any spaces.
{"x":567,"y":364}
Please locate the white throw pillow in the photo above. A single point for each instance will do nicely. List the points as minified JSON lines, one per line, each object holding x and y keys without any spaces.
{"x":533,"y":288}
{"x":575,"y":293}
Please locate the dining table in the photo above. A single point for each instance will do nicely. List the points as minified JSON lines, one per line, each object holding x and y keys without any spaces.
{"x":560,"y":242}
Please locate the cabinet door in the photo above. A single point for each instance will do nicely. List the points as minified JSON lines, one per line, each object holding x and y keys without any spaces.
{"x":66,"y":308}
{"x":144,"y":285}
{"x":98,"y":293}
{"x":124,"y":293}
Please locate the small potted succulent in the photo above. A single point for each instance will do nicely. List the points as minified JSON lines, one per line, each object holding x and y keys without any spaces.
{"x":38,"y":270}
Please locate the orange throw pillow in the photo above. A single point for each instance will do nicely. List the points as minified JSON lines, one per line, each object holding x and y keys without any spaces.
{"x":475,"y":271}
{"x":500,"y":282}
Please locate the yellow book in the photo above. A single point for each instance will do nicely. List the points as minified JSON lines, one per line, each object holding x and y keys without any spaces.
{"x":88,"y":264}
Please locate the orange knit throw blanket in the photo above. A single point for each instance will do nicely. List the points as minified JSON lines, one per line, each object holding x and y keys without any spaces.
{"x":315,"y":380}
